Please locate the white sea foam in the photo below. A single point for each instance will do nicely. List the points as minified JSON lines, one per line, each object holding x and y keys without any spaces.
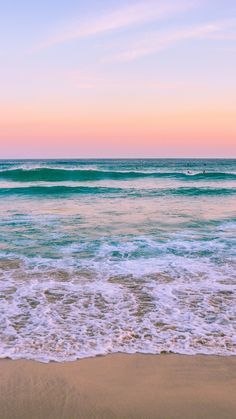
{"x":69,"y":308}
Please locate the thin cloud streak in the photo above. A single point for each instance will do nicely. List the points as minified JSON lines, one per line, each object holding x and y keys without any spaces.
{"x":157,"y":41}
{"x":137,"y":14}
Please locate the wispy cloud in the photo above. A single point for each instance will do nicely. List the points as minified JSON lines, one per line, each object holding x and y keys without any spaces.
{"x":156,"y":41}
{"x":84,"y":82}
{"x":137,"y":13}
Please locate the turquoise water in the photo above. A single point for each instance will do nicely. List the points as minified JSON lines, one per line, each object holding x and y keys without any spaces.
{"x":100,"y":256}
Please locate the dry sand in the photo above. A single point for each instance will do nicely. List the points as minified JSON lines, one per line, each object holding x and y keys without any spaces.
{"x":120,"y":386}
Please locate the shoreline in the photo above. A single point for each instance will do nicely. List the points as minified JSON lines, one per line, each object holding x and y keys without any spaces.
{"x":118,"y":353}
{"x":166,"y":386}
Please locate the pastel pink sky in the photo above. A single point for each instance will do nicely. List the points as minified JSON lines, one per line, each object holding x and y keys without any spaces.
{"x":131,"y":79}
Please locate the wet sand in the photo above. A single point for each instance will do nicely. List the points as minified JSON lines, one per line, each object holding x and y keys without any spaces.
{"x":120,"y":386}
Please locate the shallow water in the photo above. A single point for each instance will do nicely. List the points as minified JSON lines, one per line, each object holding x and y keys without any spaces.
{"x":100,"y":256}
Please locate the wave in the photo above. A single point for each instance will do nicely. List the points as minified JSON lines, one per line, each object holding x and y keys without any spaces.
{"x":76,"y":190}
{"x":60,"y":175}
{"x":58,"y":190}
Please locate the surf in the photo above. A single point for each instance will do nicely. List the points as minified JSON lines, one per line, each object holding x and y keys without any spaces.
{"x":50,"y":174}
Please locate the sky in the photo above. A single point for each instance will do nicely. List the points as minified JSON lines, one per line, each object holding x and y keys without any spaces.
{"x":134,"y":78}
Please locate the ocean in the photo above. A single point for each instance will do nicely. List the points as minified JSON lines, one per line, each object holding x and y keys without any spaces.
{"x":102,"y":256}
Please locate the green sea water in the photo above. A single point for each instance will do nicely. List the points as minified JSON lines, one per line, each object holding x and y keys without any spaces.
{"x":100,"y":256}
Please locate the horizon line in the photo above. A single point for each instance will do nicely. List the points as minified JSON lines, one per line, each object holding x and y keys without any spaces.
{"x":116,"y":158}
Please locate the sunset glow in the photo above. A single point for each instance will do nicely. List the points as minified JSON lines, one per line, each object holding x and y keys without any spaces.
{"x":137,"y":79}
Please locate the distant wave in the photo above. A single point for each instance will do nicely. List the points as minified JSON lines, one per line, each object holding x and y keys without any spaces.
{"x":60,"y":175}
{"x":58,"y":190}
{"x":76,"y":190}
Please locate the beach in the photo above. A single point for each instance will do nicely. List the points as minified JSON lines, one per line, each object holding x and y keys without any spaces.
{"x":103,"y":261}
{"x":120,"y":386}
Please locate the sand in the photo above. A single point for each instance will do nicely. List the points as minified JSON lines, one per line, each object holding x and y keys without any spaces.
{"x":120,"y":386}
